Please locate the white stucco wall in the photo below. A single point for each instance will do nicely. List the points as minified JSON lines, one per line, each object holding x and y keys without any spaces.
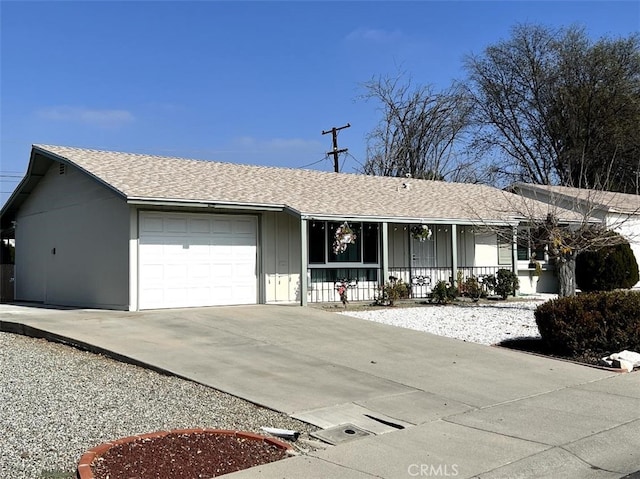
{"x":72,"y":238}
{"x":280,"y":257}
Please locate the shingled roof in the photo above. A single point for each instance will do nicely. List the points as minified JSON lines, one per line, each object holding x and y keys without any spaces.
{"x":605,"y":200}
{"x":310,"y":193}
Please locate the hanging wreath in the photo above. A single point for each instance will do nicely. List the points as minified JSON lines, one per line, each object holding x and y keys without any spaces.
{"x":420,"y":232}
{"x":343,"y":237}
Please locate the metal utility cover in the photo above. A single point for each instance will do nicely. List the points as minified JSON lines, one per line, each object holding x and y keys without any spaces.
{"x":340,"y":434}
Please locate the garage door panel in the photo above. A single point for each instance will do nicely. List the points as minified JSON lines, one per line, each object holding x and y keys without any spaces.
{"x":151,"y":225}
{"x":176,"y":225}
{"x":242,"y":227}
{"x":222,"y":272}
{"x":200,"y":272}
{"x":196,"y":260}
{"x":222,"y":226}
{"x":240,"y":294}
{"x":200,"y":226}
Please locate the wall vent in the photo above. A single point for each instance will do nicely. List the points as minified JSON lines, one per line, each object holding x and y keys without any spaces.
{"x":62,"y":168}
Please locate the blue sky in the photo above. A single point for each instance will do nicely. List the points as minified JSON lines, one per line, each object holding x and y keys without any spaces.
{"x":246,"y":82}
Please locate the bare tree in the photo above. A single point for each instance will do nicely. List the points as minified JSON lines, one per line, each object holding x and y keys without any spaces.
{"x":555,"y":107}
{"x":419,"y":130}
{"x":569,"y":222}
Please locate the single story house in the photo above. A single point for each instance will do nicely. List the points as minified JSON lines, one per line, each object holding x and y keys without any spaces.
{"x":620,"y":212}
{"x":128,"y":231}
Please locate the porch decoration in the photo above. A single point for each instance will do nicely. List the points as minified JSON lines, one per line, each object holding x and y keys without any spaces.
{"x":420,"y":232}
{"x":343,"y":286}
{"x":344,"y":236}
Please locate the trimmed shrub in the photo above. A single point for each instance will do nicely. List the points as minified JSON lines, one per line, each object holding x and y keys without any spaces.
{"x":506,"y":283}
{"x":443,"y":292}
{"x":471,"y":288}
{"x":392,"y":291}
{"x":601,"y":323}
{"x":612,"y":267}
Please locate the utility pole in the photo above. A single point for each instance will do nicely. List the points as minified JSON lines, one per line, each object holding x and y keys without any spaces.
{"x":335,"y":150}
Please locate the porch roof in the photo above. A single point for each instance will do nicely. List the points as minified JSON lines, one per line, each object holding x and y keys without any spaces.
{"x":308,"y":193}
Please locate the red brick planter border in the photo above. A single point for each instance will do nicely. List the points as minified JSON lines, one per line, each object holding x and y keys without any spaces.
{"x":84,"y":465}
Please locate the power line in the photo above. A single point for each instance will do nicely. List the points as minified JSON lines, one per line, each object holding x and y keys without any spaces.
{"x":315,"y":162}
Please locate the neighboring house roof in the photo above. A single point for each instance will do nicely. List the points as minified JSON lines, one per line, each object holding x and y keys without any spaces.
{"x":310,"y":193}
{"x":609,"y":201}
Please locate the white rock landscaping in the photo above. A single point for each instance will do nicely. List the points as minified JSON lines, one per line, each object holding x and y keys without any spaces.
{"x":478,"y":323}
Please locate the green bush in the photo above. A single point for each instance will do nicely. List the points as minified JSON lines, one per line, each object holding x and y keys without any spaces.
{"x":612,"y":267}
{"x":392,"y":291}
{"x":471,"y":288}
{"x":601,"y":323}
{"x":506,"y":283}
{"x":443,"y":292}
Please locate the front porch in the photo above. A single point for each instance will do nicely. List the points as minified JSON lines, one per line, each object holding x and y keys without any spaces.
{"x":452,"y":253}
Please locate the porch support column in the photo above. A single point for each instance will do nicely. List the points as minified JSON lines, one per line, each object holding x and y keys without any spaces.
{"x":514,"y":251}
{"x":384,"y":252}
{"x":304,"y":261}
{"x":454,"y":254}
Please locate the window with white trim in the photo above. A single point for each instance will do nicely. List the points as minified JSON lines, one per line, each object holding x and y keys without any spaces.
{"x":364,"y":251}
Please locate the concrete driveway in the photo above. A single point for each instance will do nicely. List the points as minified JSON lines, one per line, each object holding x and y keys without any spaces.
{"x":438,"y":406}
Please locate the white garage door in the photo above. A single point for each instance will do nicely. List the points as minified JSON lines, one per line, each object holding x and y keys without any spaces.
{"x":196,"y":260}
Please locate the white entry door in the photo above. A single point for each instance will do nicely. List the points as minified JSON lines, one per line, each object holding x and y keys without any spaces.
{"x":188,"y":260}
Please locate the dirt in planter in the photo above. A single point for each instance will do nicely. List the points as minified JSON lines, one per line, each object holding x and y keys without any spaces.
{"x":182,"y":456}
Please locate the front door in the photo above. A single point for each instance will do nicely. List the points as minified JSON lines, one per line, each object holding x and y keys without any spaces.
{"x":423,"y":262}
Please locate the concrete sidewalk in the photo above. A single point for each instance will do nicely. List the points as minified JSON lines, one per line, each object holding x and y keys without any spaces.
{"x":467,"y":410}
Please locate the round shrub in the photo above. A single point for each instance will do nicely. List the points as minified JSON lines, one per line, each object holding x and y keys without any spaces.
{"x":601,"y":323}
{"x":612,"y":267}
{"x":507,"y":283}
{"x":443,"y":292}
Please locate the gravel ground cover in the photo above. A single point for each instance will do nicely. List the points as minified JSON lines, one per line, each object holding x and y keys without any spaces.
{"x":56,"y":402}
{"x":486,"y":323}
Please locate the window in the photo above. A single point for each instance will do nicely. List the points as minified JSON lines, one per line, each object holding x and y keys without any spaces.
{"x":523,"y":252}
{"x":331,"y":275}
{"x":353,"y":253}
{"x":504,"y":249}
{"x":528,"y":245}
{"x":317,"y":242}
{"x":365,"y":250}
{"x":370,"y":243}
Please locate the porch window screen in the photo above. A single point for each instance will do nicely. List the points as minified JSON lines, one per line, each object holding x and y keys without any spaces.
{"x":370,"y":243}
{"x":317,"y":242}
{"x":504,"y":249}
{"x":365,"y":250}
